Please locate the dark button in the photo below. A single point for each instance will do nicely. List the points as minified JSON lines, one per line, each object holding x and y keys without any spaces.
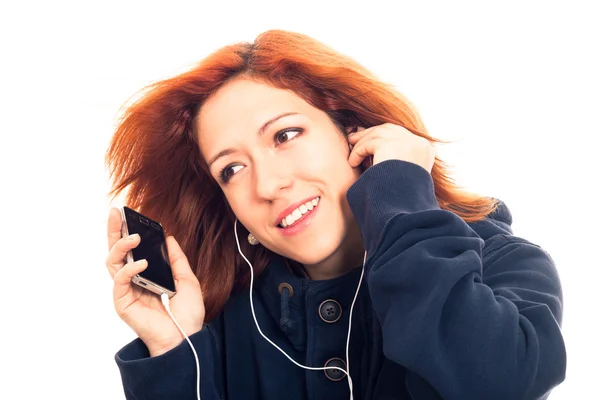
{"x":335,"y":374}
{"x":330,"y":311}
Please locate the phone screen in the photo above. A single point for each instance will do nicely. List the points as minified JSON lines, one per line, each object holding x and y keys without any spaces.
{"x":152,"y":247}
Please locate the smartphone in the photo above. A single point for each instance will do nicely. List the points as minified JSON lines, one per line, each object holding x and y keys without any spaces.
{"x":158,"y":275}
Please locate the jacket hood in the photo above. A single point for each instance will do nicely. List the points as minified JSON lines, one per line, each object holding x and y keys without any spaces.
{"x":497,"y":223}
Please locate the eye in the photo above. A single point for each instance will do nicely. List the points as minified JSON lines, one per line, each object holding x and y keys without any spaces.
{"x":287,"y":135}
{"x":227,"y":172}
{"x":280,"y":137}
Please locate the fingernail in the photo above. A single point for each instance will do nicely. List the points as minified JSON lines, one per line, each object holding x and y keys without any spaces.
{"x":133,"y":236}
{"x":140,"y":262}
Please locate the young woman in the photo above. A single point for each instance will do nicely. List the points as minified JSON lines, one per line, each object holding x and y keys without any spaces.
{"x":368,"y":258}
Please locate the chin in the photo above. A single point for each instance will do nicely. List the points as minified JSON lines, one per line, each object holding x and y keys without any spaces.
{"x":316,"y":253}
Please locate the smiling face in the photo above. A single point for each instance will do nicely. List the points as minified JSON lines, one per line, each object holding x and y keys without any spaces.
{"x":275,"y":156}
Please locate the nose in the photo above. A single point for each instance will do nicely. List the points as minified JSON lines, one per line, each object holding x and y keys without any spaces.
{"x":271,"y":175}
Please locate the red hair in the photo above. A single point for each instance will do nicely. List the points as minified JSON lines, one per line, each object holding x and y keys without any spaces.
{"x":155,"y":155}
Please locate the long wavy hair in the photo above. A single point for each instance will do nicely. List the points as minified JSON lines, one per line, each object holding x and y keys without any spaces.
{"x":154,"y":157}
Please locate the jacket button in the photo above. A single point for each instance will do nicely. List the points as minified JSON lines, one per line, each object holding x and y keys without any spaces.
{"x":335,"y":374}
{"x":330,"y":311}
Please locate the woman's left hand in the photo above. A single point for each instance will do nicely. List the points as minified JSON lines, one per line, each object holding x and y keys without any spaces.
{"x":390,"y":142}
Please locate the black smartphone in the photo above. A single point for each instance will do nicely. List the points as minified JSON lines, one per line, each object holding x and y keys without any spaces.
{"x":158,"y":276}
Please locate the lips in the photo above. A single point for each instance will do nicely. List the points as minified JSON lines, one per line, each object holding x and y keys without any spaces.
{"x":287,"y":211}
{"x":300,"y":225}
{"x":298,"y":220}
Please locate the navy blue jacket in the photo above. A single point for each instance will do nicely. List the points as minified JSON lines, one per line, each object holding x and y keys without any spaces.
{"x":447,"y":310}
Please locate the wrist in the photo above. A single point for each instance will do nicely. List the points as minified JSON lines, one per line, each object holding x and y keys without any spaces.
{"x":159,"y":348}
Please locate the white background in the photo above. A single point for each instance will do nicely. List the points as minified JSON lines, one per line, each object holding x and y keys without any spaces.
{"x":516,"y":84}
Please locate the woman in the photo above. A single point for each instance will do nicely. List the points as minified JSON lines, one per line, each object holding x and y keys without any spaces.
{"x":331,"y":176}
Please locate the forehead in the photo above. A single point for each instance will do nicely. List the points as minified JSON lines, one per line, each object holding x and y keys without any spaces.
{"x":240,"y":107}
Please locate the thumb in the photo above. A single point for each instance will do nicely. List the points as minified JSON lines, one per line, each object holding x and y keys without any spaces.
{"x":179,"y":262}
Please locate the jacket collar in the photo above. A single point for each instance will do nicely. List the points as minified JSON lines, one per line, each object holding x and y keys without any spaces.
{"x":306,"y":293}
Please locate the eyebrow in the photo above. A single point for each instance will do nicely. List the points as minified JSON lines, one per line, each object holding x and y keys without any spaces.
{"x":262,"y":130}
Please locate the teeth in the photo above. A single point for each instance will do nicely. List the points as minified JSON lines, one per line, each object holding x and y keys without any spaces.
{"x":289,"y":220}
{"x":298,"y":212}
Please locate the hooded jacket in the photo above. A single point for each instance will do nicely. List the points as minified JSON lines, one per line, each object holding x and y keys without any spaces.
{"x":446,"y":310}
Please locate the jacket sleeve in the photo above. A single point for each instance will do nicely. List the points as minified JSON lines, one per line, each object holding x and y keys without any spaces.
{"x":172,"y":375}
{"x":471,"y":331}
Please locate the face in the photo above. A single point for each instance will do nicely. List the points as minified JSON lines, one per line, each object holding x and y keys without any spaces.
{"x":283,"y":167}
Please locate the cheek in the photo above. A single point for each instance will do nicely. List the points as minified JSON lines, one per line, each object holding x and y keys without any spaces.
{"x":325,"y":158}
{"x":236,"y":202}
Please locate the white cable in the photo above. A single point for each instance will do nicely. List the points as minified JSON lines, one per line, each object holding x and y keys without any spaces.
{"x":350,"y":321}
{"x":277,"y":347}
{"x":165,"y":300}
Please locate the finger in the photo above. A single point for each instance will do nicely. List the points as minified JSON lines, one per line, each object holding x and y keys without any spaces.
{"x":116,"y":255}
{"x":179,"y":262}
{"x":362,"y":150}
{"x":385,"y":130}
{"x":114,"y":227}
{"x":124,"y":276}
{"x":353,"y":138}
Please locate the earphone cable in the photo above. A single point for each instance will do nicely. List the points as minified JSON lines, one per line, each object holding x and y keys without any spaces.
{"x":165,"y":300}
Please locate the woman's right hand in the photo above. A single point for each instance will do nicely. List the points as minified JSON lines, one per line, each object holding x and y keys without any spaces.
{"x":143,"y":310}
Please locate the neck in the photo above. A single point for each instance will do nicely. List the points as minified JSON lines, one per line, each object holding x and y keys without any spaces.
{"x":348,"y":256}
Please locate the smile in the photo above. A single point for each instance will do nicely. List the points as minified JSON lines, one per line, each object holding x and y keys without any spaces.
{"x":307,"y":214}
{"x":299,"y":213}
